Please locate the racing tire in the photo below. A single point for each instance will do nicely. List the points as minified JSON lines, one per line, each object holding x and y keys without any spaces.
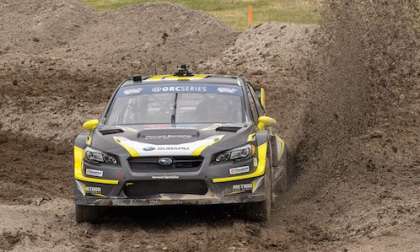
{"x":91,"y":214}
{"x":261,"y":211}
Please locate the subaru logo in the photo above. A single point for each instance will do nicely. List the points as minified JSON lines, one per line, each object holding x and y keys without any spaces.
{"x":149,"y":148}
{"x":165,"y":161}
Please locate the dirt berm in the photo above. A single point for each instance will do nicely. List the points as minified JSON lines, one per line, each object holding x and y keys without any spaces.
{"x":346,"y":95}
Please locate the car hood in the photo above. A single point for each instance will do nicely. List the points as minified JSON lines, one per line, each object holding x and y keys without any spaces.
{"x":158,"y":140}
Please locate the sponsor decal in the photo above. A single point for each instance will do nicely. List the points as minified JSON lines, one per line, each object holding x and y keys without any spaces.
{"x":95,"y":173}
{"x":239,"y":170}
{"x":255,"y":162}
{"x":227,"y":90}
{"x":242,"y":188}
{"x":94,"y":190}
{"x":133,"y":91}
{"x":172,"y":148}
{"x":88,"y":189}
{"x":166,"y":148}
{"x":174,"y":89}
{"x":168,"y":137}
{"x":153,"y":89}
{"x":166,"y":177}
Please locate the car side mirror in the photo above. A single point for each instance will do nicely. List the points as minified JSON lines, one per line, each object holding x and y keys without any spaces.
{"x":91,"y":124}
{"x":261,"y":96}
{"x":265,"y":121}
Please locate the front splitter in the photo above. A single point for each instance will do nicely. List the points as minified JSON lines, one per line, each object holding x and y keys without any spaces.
{"x":171,"y":199}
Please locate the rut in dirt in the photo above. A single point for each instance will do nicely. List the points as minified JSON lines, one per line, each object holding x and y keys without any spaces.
{"x":33,"y":169}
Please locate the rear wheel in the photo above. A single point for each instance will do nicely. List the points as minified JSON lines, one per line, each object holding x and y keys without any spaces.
{"x":90,"y":214}
{"x":261,"y":211}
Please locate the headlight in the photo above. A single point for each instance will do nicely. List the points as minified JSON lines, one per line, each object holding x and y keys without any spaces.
{"x":243,"y":152}
{"x":96,"y":156}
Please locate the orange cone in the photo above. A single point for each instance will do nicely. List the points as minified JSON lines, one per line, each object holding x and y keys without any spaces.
{"x":250,"y":15}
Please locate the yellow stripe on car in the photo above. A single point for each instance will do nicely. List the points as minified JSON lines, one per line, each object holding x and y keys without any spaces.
{"x":79,"y":154}
{"x":157,"y":77}
{"x":251,"y":137}
{"x":199,"y":150}
{"x":133,"y":152}
{"x":174,"y":77}
{"x":262,"y":159}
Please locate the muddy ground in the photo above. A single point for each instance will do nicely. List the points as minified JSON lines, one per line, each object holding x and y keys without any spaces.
{"x":346,"y":95}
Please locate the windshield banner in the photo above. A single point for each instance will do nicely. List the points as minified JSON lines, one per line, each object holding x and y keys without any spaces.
{"x":156,"y":89}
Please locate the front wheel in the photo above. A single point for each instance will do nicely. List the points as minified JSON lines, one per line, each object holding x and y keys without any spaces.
{"x":261,"y":211}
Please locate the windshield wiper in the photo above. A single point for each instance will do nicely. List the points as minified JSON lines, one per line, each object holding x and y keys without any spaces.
{"x":173,"y":116}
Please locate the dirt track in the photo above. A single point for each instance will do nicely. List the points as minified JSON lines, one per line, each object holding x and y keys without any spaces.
{"x":346,"y":94}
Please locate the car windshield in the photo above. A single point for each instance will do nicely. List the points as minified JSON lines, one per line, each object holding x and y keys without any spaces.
{"x":177,"y":104}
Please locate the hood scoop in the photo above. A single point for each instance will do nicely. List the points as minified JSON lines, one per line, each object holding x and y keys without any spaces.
{"x":162,"y":134}
{"x":111,"y":131}
{"x":228,"y":128}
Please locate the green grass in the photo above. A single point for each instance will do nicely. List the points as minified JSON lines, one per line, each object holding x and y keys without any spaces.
{"x":234,"y":12}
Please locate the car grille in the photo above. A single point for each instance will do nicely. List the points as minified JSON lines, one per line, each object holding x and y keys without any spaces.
{"x":151,"y":164}
{"x":149,"y":188}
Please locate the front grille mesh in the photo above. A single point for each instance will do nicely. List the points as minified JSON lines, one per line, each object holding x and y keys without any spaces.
{"x":151,"y":164}
{"x":149,"y":188}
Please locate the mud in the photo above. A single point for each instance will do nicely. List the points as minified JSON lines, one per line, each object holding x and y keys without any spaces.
{"x":346,"y":95}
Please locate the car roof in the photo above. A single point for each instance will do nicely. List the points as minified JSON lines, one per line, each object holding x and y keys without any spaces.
{"x":175,"y":79}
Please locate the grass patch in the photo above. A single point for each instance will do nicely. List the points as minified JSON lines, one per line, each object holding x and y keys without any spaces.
{"x":234,"y":12}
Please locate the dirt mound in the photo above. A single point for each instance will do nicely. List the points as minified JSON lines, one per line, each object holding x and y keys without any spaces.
{"x":62,"y":60}
{"x":267,"y":47}
{"x":143,"y":37}
{"x":153,"y":37}
{"x":35,"y":27}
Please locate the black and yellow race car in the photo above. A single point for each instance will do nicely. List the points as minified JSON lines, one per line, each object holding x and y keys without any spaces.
{"x":180,"y":139}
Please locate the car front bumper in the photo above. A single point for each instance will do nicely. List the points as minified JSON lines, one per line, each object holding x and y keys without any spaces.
{"x":249,"y":190}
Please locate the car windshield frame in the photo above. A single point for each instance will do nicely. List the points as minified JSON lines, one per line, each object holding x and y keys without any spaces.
{"x":178,"y":91}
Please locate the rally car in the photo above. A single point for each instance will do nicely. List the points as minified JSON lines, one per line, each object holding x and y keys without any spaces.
{"x":181,"y":138}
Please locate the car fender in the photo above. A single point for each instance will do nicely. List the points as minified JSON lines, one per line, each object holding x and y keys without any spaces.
{"x":82,"y":140}
{"x":263,"y":137}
